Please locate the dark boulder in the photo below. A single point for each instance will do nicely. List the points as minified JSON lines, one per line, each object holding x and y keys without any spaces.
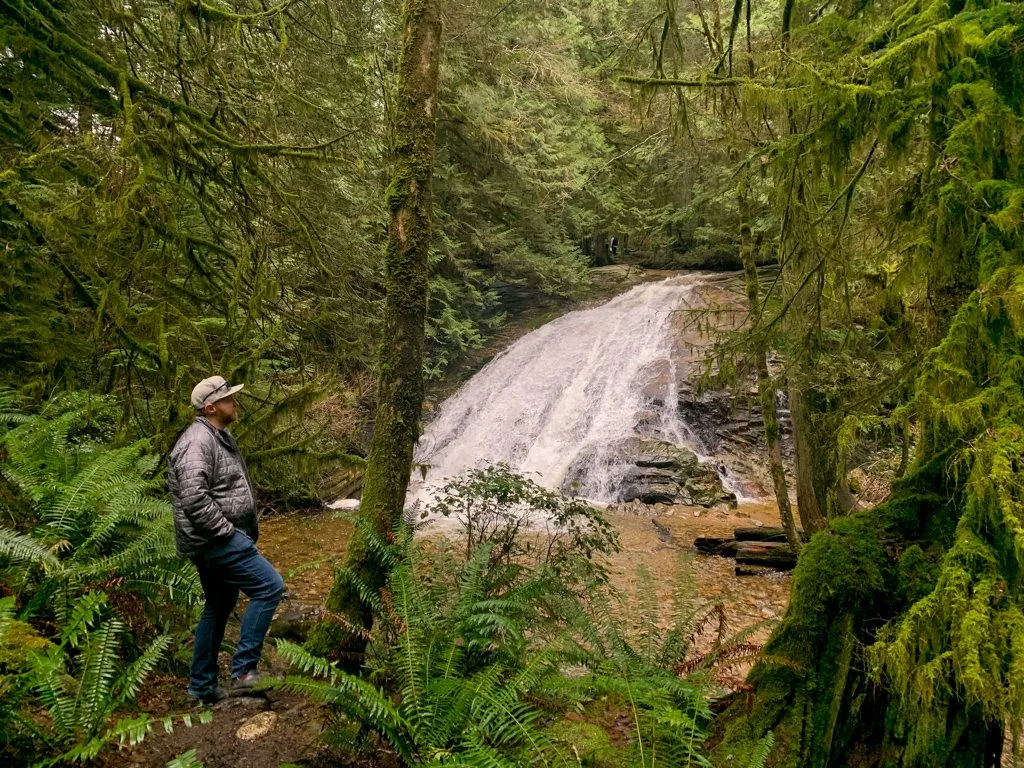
{"x":651,"y":471}
{"x":663,"y":473}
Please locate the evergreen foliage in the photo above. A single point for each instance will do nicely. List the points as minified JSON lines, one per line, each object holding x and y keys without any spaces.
{"x":890,"y":157}
{"x":456,"y":657}
{"x":192,"y":189}
{"x":650,"y":671}
{"x":472,"y":659}
{"x":96,"y":521}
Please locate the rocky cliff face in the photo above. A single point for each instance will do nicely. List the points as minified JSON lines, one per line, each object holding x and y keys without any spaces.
{"x":658,"y":473}
{"x":725,"y":428}
{"x":729,"y":430}
{"x":669,"y":474}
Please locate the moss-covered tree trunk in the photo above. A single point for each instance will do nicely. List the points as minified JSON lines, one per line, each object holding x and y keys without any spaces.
{"x":602,"y":254}
{"x":903,"y":644}
{"x":821,"y":490}
{"x":765,"y":386}
{"x":400,"y":371}
{"x":812,"y":689}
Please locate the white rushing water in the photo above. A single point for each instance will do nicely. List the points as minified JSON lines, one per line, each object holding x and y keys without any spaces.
{"x":565,"y":392}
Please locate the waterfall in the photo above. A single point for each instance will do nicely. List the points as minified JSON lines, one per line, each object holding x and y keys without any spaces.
{"x":566,"y":392}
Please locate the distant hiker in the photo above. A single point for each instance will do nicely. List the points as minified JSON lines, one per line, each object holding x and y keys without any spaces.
{"x":215,"y":525}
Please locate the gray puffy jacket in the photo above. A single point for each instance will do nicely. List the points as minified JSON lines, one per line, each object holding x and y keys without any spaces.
{"x":211,"y":492}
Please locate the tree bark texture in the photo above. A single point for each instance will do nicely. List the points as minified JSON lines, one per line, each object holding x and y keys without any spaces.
{"x":602,"y":257}
{"x":400,"y":358}
{"x":815,"y":475}
{"x":765,"y":385}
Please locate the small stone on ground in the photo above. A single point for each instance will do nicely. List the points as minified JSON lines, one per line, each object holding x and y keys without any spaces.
{"x":257,"y":726}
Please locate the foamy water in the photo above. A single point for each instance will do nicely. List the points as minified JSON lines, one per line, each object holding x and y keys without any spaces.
{"x":564,"y":393}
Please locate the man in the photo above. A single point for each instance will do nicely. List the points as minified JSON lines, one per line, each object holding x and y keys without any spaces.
{"x":215,"y":525}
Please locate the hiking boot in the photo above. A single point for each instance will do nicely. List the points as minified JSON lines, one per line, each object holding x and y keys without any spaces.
{"x":208,"y":697}
{"x":246,"y":681}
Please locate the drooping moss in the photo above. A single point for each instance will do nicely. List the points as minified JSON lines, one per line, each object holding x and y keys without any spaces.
{"x":917,"y":572}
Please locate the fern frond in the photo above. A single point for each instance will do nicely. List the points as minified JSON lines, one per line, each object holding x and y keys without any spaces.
{"x":129,"y":683}
{"x":367,"y":593}
{"x":6,"y":616}
{"x":51,"y":683}
{"x":413,"y":645}
{"x":307,"y":663}
{"x":100,"y":662}
{"x":100,"y":470}
{"x":759,"y":757}
{"x":24,"y":548}
{"x":84,"y":612}
{"x":359,"y":699}
{"x":185,"y":760}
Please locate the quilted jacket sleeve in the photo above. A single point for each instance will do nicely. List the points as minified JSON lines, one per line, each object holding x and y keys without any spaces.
{"x":191,"y":472}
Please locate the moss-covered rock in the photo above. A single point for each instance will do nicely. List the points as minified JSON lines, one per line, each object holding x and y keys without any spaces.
{"x":590,"y":744}
{"x":17,"y":643}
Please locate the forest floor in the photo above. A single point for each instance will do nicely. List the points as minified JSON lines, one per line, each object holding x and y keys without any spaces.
{"x":283,"y":728}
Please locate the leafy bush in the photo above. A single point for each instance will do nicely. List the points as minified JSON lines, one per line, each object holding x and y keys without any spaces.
{"x":479,"y":648}
{"x":18,"y":641}
{"x":82,"y":681}
{"x":95,"y":521}
{"x":651,"y":673}
{"x":474,"y":662}
{"x":523,"y":521}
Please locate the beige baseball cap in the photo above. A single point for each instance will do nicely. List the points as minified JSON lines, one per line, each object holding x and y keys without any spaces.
{"x":211,"y":390}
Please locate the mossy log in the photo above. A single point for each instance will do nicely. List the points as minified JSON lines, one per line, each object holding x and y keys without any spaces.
{"x":774,"y":554}
{"x":714,"y":545}
{"x":766,"y":533}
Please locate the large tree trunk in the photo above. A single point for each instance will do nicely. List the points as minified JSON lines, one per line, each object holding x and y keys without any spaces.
{"x":400,"y":374}
{"x":602,"y":258}
{"x":816,"y":474}
{"x":765,"y":385}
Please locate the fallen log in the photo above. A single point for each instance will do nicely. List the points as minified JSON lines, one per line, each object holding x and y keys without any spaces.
{"x":765,"y":533}
{"x":772,"y":554}
{"x":713,"y":545}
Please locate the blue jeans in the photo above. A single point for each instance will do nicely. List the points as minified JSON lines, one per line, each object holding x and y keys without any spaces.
{"x":226,"y":568}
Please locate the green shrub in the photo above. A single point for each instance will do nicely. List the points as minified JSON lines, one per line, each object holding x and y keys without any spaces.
{"x":18,"y":642}
{"x":476,"y":662}
{"x":524,"y":522}
{"x":95,"y":520}
{"x":653,"y":674}
{"x":95,"y":582}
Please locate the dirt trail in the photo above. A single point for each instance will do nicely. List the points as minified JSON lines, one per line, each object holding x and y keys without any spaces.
{"x":305,"y":547}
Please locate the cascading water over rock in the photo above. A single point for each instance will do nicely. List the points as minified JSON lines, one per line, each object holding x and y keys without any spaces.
{"x":581,"y":404}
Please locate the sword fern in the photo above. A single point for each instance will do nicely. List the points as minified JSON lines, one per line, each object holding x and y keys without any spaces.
{"x":455,"y":660}
{"x":96,"y":520}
